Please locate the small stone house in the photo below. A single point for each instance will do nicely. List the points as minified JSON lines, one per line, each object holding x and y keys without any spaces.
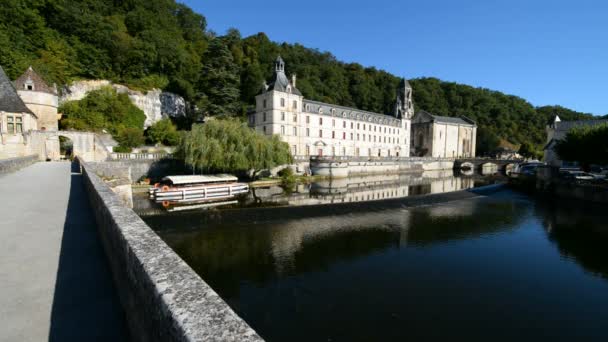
{"x":40,"y":98}
{"x":16,"y":119}
{"x":558,"y":130}
{"x":442,"y":136}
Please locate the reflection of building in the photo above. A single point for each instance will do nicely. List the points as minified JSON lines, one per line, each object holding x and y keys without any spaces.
{"x":15,"y":120}
{"x":558,"y":130}
{"x":443,"y":136}
{"x":316,"y":128}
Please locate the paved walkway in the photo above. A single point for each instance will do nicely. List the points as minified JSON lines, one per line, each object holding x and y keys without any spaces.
{"x":55,"y":284}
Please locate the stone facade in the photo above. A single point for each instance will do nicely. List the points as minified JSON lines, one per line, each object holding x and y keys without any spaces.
{"x":442,"y":136}
{"x":40,"y":98}
{"x":314,"y":128}
{"x":558,"y":130}
{"x":16,"y":119}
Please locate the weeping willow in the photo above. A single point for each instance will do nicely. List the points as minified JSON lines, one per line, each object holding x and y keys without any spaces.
{"x":230,"y":146}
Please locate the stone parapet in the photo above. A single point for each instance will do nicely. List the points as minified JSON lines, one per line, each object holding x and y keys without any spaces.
{"x":14,"y":164}
{"x":163,"y":298}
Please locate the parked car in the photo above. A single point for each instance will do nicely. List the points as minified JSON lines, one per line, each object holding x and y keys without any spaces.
{"x":599,"y":172}
{"x":576,"y":175}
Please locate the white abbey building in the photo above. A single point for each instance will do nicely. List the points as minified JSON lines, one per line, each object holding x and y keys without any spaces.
{"x":314,"y":128}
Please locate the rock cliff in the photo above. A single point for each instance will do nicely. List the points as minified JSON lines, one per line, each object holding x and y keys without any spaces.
{"x":155,"y":103}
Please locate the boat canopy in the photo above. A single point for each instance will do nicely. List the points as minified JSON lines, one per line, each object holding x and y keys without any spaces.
{"x":177,"y":180}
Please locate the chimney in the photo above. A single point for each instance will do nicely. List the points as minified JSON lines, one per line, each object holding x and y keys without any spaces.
{"x":293,"y":80}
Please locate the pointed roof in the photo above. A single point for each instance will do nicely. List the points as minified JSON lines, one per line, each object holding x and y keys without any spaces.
{"x":9,"y":99}
{"x":279,"y":81}
{"x":31,"y":77}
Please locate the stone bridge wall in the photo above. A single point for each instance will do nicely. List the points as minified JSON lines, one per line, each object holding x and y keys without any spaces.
{"x":14,"y":164}
{"x":163,"y":298}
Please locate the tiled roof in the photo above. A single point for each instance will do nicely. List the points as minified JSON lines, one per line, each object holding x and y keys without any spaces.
{"x":9,"y":99}
{"x":311,"y":106}
{"x":31,"y":77}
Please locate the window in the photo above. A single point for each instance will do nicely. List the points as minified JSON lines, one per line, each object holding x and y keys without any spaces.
{"x":252,"y":119}
{"x":357,"y":125}
{"x":282,"y":130}
{"x":364,"y":127}
{"x":333,"y":123}
{"x":264,"y":117}
{"x":343,"y":151}
{"x":295,"y":118}
{"x":343,"y":124}
{"x":282,"y":102}
{"x":307,"y":132}
{"x":357,"y":136}
{"x":282,"y":116}
{"x":357,"y":152}
{"x":295,"y":131}
{"x":363,"y":137}
{"x":307,"y":150}
{"x":320,"y":133}
{"x":352,"y":125}
{"x":295,"y":105}
{"x":264,"y":103}
{"x":307,"y":108}
{"x":10,"y":125}
{"x":351,"y":136}
{"x":333,"y":150}
{"x":294,"y":149}
{"x":307,"y":119}
{"x":343,"y":135}
{"x":333,"y":134}
{"x":264,"y":129}
{"x":321,"y":121}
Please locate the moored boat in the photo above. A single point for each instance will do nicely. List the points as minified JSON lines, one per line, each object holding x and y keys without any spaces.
{"x":208,"y":188}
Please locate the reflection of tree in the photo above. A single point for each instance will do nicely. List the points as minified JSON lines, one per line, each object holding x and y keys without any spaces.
{"x":228,"y":247}
{"x":580,"y":233}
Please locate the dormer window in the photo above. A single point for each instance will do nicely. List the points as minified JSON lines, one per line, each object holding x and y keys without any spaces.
{"x":28,"y":86}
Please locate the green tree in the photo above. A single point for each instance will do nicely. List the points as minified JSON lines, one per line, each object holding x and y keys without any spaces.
{"x":586,"y":144}
{"x":129,"y":137}
{"x":220,"y":81}
{"x":230,"y":146}
{"x":102,"y":109}
{"x":163,"y":132}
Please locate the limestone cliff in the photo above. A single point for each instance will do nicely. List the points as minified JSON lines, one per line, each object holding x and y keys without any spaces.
{"x":155,"y":103}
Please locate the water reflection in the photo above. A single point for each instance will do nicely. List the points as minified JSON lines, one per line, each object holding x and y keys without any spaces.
{"x":372,"y":271}
{"x":366,"y":188}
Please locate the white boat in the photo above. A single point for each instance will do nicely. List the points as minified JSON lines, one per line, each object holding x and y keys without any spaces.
{"x":209,"y":188}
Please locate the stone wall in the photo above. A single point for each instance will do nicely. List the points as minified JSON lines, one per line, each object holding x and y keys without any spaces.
{"x":135,"y":169}
{"x":362,"y":166}
{"x":163,"y":298}
{"x":14,"y":164}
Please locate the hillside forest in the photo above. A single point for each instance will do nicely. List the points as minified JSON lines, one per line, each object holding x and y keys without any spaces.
{"x":163,"y":44}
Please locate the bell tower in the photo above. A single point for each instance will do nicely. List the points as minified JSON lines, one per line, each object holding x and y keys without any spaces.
{"x":404,"y":106}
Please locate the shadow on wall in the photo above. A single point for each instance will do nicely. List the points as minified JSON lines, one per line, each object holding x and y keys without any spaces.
{"x":86,"y":306}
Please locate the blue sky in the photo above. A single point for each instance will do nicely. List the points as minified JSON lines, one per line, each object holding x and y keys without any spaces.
{"x":548,"y":52}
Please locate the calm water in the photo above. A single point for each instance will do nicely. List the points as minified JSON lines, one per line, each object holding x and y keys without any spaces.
{"x":503,"y":267}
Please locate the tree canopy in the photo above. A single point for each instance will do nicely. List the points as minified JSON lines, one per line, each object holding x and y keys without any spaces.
{"x":230,"y":146}
{"x":586,"y":144}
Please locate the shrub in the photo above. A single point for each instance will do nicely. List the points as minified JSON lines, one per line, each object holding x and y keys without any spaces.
{"x":163,"y":132}
{"x":129,"y":137}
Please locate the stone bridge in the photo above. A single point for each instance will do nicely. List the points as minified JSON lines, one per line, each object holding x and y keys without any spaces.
{"x":505,"y":165}
{"x":86,"y":145}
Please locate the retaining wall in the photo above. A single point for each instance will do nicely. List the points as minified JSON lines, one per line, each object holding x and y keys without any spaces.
{"x":14,"y":164}
{"x":135,"y":169}
{"x":163,"y":298}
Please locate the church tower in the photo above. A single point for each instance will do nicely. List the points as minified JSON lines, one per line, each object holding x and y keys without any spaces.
{"x":404,"y":107}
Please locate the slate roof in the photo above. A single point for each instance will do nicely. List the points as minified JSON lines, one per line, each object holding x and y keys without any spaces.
{"x":347,"y":112}
{"x":9,"y":99}
{"x":279,"y":81}
{"x":568,"y":125}
{"x":31,"y":76}
{"x":448,"y":119}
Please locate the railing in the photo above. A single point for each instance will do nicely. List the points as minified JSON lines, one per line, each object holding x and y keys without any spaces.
{"x":138,"y":156}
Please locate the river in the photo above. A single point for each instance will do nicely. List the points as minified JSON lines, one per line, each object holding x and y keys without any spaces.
{"x":498,"y":267}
